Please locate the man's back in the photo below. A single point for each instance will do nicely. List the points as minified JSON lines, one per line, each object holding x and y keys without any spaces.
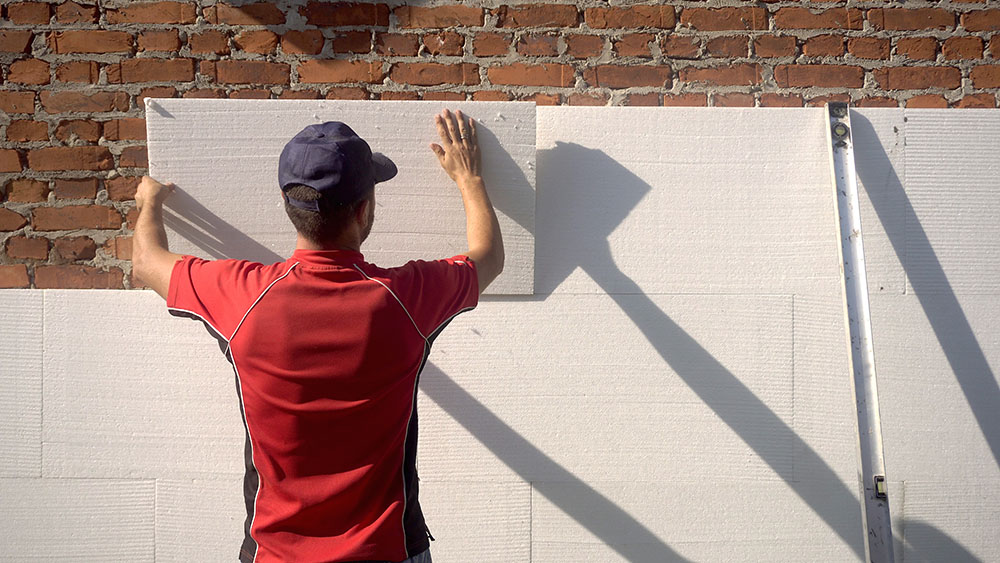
{"x":327,"y":351}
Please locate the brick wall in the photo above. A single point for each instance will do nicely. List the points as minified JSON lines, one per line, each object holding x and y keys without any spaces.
{"x":75,"y":74}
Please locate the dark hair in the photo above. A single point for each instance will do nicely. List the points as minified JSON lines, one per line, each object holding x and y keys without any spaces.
{"x":323,"y":227}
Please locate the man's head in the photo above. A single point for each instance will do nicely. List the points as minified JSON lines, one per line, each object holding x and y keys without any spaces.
{"x":327,"y":174}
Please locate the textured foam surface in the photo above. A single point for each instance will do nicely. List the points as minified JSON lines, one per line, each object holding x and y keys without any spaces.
{"x":223,"y":156}
{"x":20,"y":383}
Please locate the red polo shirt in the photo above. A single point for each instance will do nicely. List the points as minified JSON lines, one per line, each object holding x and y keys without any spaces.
{"x":327,"y":351}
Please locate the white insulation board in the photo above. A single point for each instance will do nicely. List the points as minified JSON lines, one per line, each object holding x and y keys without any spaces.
{"x":676,"y":390}
{"x":223,"y":157}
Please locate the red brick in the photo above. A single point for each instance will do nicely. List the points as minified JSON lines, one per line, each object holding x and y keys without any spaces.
{"x":14,"y":276}
{"x":78,"y":277}
{"x":977,"y":101}
{"x":72,"y":101}
{"x":10,"y":161}
{"x":335,"y":71}
{"x":490,"y":96}
{"x":126,"y":129}
{"x":580,"y":99}
{"x":824,"y":46}
{"x":820,"y":101}
{"x":157,"y":70}
{"x":431,"y":74}
{"x":490,"y":44}
{"x":520,"y":74}
{"x":399,"y":95}
{"x":75,"y":217}
{"x":90,"y":41}
{"x":81,"y":188}
{"x":981,"y":20}
{"x":88,"y":72}
{"x":650,"y":99}
{"x":135,"y":157}
{"x":445,"y":43}
{"x":876,"y":102}
{"x":153,"y":12}
{"x":771,"y":99}
{"x":842,"y":76}
{"x":918,"y":78}
{"x":33,"y":248}
{"x":29,"y":71}
{"x":733,"y":99}
{"x":119,"y":247}
{"x":122,"y":188}
{"x":11,"y":221}
{"x":444,"y":96}
{"x":584,"y":46}
{"x":724,"y":19}
{"x":75,"y":248}
{"x":728,"y":47}
{"x":962,"y":48}
{"x":341,"y":14}
{"x":538,"y":15}
{"x":661,"y":17}
{"x":78,"y":129}
{"x":12,"y":41}
{"x":917,"y":48}
{"x":927,"y":101}
{"x":209,"y":42}
{"x":635,"y":45}
{"x":257,"y":41}
{"x":396,"y":44}
{"x":251,"y":72}
{"x":905,"y":19}
{"x":736,"y":75}
{"x":71,"y":12}
{"x":25,"y":190}
{"x":689,"y":99}
{"x":803,"y":18}
{"x":155,"y":92}
{"x":439,"y":16}
{"x":610,"y":76}
{"x":769,"y":46}
{"x":159,"y":40}
{"x":987,"y":76}
{"x":71,"y":158}
{"x":538,"y":45}
{"x":259,"y":13}
{"x":24,"y":130}
{"x":205,"y":93}
{"x":681,"y":47}
{"x":308,"y":42}
{"x":352,"y":42}
{"x":868,"y":47}
{"x":17,"y":102}
{"x":542,"y":99}
{"x":23,"y":13}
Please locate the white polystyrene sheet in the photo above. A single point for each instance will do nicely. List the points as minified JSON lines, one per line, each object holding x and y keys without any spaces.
{"x":20,"y":383}
{"x":199,"y":519}
{"x":478,"y":520}
{"x":223,"y":156}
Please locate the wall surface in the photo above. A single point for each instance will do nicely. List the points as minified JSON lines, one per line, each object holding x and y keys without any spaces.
{"x":76,"y":74}
{"x":676,"y":389}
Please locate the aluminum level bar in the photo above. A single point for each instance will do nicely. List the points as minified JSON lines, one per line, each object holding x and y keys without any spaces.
{"x":874,"y":491}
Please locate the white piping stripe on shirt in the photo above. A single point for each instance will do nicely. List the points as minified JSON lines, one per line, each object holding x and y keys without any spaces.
{"x":397,"y":300}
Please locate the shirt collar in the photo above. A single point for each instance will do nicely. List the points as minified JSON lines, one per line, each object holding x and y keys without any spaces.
{"x":327,"y":257}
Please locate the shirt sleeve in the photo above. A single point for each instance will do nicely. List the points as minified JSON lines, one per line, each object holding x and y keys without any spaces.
{"x":438,"y":290}
{"x":217,"y":292}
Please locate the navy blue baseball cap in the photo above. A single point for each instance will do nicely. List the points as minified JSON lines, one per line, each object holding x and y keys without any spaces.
{"x":331,"y":159}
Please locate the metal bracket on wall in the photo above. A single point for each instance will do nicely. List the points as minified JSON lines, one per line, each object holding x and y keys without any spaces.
{"x":874,"y":492}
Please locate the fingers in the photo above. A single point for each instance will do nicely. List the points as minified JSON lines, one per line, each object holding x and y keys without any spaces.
{"x":450,"y":122}
{"x":442,"y":130}
{"x":438,"y":150}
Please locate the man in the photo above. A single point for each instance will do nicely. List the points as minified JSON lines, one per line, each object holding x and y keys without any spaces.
{"x":327,"y":349}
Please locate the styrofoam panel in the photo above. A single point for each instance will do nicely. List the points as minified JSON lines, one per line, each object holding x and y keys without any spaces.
{"x":20,"y":383}
{"x":478,"y":520}
{"x":938,"y":417}
{"x":131,"y":391}
{"x":691,"y":517}
{"x":694,"y":200}
{"x":223,"y":156}
{"x":624,"y":386}
{"x":96,"y":520}
{"x":879,"y":146}
{"x":949,"y":520}
{"x":199,"y":519}
{"x":953,"y":228}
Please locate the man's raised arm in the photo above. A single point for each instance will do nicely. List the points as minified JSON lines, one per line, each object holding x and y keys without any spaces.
{"x":460,"y":158}
{"x":152,"y":262}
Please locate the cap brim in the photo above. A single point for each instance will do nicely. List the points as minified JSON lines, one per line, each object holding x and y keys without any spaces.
{"x":385,"y":169}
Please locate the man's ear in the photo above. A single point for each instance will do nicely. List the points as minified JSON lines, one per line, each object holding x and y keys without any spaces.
{"x":361,"y":211}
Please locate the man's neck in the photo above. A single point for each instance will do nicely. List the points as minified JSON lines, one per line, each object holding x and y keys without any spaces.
{"x":302,"y":243}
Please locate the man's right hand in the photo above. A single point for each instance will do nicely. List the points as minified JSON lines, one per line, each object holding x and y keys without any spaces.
{"x":458,"y":152}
